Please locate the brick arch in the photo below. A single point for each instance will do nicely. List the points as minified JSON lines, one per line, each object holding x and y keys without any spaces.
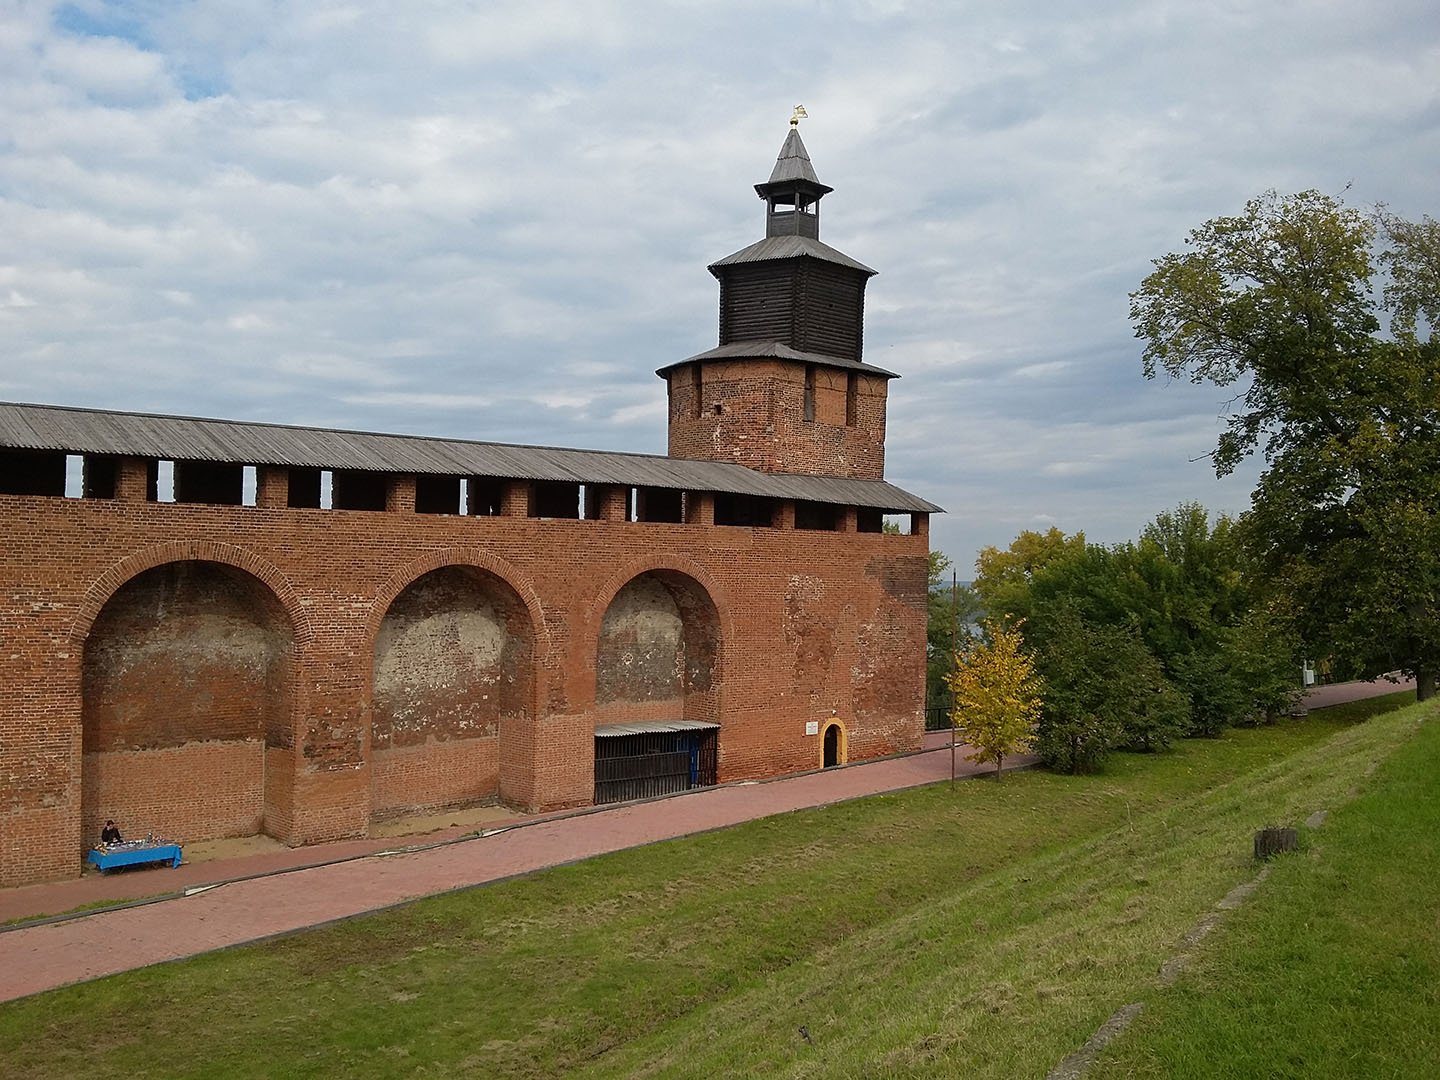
{"x":207,"y":752}
{"x":476,"y":558}
{"x":117,"y":576}
{"x":842,"y":746}
{"x":479,"y":559}
{"x":703,"y":585}
{"x":612,"y":585}
{"x":454,"y":684}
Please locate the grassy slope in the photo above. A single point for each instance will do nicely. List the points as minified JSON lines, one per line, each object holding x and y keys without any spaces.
{"x":1005,"y":975}
{"x":1333,"y":968}
{"x":983,"y":930}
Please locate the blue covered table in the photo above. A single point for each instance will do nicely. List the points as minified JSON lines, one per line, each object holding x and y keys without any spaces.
{"x":111,"y":856}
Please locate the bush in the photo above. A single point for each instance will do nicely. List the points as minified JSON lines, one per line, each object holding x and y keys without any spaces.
{"x":1217,"y":698}
{"x":1105,"y":690}
{"x":1157,"y":712}
{"x":1265,"y":656}
{"x":1080,"y":722}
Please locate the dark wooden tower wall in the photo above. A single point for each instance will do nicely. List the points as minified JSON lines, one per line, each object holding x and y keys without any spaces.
{"x":810,"y":305}
{"x":833,"y":304}
{"x":757,"y":303}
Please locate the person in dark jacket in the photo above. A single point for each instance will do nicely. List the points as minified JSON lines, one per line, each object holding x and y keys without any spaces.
{"x":110,"y":834}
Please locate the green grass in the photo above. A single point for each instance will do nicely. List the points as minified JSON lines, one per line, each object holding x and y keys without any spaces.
{"x":983,"y":930}
{"x":1333,"y":967}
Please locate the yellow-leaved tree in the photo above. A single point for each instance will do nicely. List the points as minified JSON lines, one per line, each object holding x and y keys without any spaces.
{"x":997,"y":695}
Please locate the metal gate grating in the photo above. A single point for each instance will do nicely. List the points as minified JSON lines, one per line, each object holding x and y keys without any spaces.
{"x":644,"y":765}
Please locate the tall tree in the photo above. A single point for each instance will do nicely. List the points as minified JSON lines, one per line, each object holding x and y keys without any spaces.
{"x":1413,"y":262}
{"x":1104,"y":690}
{"x":1003,"y":577}
{"x":1280,"y":300}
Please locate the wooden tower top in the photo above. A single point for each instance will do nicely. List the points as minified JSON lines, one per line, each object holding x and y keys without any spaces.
{"x":786,"y":389}
{"x":791,"y":291}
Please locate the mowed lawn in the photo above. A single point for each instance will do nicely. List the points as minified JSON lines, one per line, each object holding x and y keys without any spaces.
{"x":984,"y":930}
{"x":1332,"y":969}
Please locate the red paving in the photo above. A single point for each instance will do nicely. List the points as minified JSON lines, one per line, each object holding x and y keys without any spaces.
{"x":1318,"y":697}
{"x":284,"y":891}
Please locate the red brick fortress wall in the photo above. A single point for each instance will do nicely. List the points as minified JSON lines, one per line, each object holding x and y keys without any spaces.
{"x":754,"y":413}
{"x":209,"y":670}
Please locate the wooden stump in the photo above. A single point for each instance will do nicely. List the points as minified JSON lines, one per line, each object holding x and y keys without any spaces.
{"x":1274,"y":841}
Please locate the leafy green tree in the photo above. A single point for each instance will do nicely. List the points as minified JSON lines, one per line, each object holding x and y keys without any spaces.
{"x":1187,"y":589}
{"x":1263,"y":657}
{"x":1343,"y":521}
{"x":1083,"y":718}
{"x":1003,"y":578}
{"x":1215,"y":688}
{"x":1278,"y":296}
{"x":1413,"y":262}
{"x":1159,"y":711}
{"x":996,"y":695}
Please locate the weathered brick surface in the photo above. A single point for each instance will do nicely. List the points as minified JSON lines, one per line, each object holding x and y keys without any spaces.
{"x":752,"y":412}
{"x":209,"y":670}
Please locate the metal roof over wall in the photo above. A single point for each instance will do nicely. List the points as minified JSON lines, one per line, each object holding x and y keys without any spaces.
{"x":789,"y":247}
{"x":776,"y":350}
{"x":651,"y":727}
{"x":186,"y":438}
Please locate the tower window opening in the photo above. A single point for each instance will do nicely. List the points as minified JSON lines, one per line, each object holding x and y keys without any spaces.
{"x":485,"y":495}
{"x":160,"y":480}
{"x":852,"y":393}
{"x":100,"y":475}
{"x":817,"y":516}
{"x":695,"y":403}
{"x":809,"y":391}
{"x":899,"y":524}
{"x":868,"y":520}
{"x":74,"y":476}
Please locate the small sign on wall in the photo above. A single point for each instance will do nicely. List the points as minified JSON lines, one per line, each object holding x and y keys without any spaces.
{"x":812,"y":727}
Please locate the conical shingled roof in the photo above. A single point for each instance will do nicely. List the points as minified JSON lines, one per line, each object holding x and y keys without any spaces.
{"x":793,"y":162}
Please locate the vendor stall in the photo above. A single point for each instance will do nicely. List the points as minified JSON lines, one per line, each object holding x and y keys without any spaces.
{"x":106,"y":857}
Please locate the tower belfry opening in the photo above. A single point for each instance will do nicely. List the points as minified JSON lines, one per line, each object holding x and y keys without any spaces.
{"x":792,"y":194}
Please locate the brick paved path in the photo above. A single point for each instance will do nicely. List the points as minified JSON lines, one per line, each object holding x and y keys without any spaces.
{"x":291,"y":894}
{"x":1318,"y":697}
{"x":42,"y":957}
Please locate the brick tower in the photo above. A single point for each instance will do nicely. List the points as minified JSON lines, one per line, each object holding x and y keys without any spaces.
{"x":786,"y":390}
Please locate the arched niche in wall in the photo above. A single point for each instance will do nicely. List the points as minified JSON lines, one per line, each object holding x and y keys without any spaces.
{"x":187,"y":691}
{"x":658,"y":652}
{"x":454,"y":661}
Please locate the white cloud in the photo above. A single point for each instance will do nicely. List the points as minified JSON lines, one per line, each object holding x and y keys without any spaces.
{"x":106,"y":68}
{"x":493,"y":221}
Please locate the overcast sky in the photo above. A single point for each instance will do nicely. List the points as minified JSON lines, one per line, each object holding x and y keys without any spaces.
{"x":492,"y":220}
